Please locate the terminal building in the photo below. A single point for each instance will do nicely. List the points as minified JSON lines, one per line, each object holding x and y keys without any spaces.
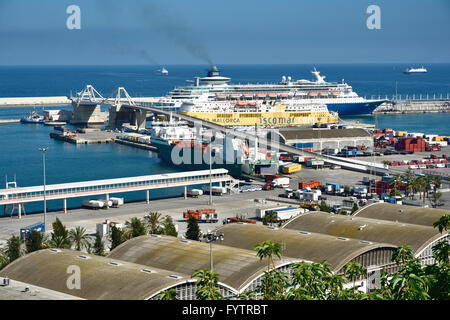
{"x":322,"y":138}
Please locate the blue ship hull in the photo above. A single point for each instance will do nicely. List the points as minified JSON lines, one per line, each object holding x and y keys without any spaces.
{"x":357,"y":108}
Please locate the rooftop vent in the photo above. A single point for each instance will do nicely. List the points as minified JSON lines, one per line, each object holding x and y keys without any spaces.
{"x":54,"y":250}
{"x":304,"y":232}
{"x":148,"y":271}
{"x":343,"y":239}
{"x":84,"y":257}
{"x":174,"y":276}
{"x":185,"y":241}
{"x":366,"y":242}
{"x":115,"y":264}
{"x":155,"y":235}
{"x":272,"y":228}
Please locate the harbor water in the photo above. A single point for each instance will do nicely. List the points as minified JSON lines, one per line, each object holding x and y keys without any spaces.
{"x":20,"y":158}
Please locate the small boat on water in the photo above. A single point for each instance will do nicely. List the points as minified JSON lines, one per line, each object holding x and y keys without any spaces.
{"x":416,"y":70}
{"x":33,"y":118}
{"x":162,"y":71}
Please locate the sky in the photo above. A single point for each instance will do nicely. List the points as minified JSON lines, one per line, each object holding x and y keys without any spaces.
{"x":165,"y":32}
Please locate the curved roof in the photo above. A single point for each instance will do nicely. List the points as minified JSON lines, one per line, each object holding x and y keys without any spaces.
{"x":236,"y":267}
{"x":400,"y":213}
{"x":415,"y":236}
{"x":99,"y":280}
{"x":310,"y":246}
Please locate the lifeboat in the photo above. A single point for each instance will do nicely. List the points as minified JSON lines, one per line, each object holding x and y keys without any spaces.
{"x":220,"y":96}
{"x":241,"y":103}
{"x":247,"y":95}
{"x":273,"y":95}
{"x":234,"y":96}
{"x":252,"y":103}
{"x":312,"y":94}
{"x":324,"y":93}
{"x":261,"y":96}
{"x":335,"y":93}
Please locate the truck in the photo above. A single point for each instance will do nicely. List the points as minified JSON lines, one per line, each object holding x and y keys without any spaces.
{"x":308,"y":184}
{"x":26,"y":232}
{"x":93,"y":204}
{"x":281,"y":182}
{"x":202,"y":215}
{"x":194,"y":193}
{"x":217,"y":191}
{"x":291,"y":168}
{"x":235,"y":219}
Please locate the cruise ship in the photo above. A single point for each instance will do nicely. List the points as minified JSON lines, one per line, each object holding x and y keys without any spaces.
{"x":266,"y":113}
{"x":338,"y":97}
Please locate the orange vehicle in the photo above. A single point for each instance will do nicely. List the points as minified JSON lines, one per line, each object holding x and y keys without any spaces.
{"x":202,"y":215}
{"x":308,"y":184}
{"x":234,"y":219}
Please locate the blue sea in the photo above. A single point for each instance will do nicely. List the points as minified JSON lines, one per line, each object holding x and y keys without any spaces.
{"x":20,"y":158}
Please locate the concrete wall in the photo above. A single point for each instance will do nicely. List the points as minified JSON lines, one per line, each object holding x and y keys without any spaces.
{"x":87,"y":114}
{"x":119,"y":115}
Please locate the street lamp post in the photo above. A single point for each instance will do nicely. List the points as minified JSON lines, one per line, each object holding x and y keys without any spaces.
{"x":210,"y":175}
{"x":212,"y":237}
{"x":45,"y":202}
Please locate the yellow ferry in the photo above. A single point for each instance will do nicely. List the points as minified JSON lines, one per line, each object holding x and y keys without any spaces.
{"x":263,"y":113}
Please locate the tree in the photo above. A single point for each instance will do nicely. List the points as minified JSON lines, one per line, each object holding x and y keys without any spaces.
{"x":79,"y":237}
{"x":355,"y":207}
{"x":436,"y":198}
{"x":169,"y":227}
{"x":268,"y":249}
{"x":354,"y":270}
{"x":4,"y":261}
{"x":36,"y":241}
{"x":135,"y":228}
{"x":60,"y":236}
{"x":207,"y":284}
{"x":193,"y":230}
{"x":443,"y":223}
{"x":99,"y":245}
{"x":153,"y":222}
{"x":270,"y":217}
{"x":402,"y":255}
{"x":117,"y":237}
{"x":169,"y":294}
{"x":323,"y":207}
{"x":395,"y":193}
{"x":13,"y":248}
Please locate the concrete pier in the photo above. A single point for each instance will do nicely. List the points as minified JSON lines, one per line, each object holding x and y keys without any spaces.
{"x":33,"y":101}
{"x":414,"y":106}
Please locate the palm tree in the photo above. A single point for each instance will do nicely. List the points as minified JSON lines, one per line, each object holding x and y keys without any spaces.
{"x":153,"y":222}
{"x":354,"y":270}
{"x":135,"y":228}
{"x":271,"y":217}
{"x":79,"y":237}
{"x":409,"y":181}
{"x":268,"y":249}
{"x":443,"y":223}
{"x":169,"y":294}
{"x":436,"y":198}
{"x":402,"y":255}
{"x":13,"y":248}
{"x":398,"y":180}
{"x":58,"y":242}
{"x":208,"y":285}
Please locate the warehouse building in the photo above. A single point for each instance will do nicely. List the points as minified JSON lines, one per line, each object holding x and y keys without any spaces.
{"x":319,"y":139}
{"x":100,"y":278}
{"x":309,"y":246}
{"x":239,"y":270}
{"x":419,"y":238}
{"x":405,"y":214}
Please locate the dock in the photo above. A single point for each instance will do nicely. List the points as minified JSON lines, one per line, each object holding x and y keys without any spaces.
{"x":135,"y":144}
{"x":6,"y":121}
{"x":413,"y":106}
{"x":91,"y":137}
{"x":33,"y":101}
